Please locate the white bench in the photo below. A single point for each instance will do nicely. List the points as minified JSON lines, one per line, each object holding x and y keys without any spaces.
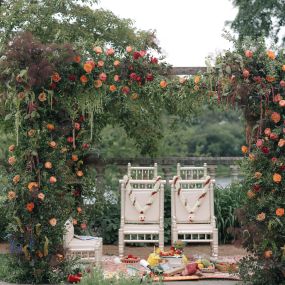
{"x":87,"y":250}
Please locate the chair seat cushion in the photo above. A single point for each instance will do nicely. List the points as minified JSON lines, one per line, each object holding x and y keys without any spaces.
{"x":77,"y":244}
{"x":141,"y":228}
{"x":195,"y":228}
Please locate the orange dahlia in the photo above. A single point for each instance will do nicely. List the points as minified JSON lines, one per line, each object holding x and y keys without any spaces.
{"x":279,"y":212}
{"x":277,"y":177}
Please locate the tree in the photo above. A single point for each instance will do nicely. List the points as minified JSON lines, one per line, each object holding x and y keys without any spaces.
{"x":259,"y":18}
{"x":76,"y":22}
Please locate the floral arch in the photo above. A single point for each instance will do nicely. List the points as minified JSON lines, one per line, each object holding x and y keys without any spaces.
{"x":58,"y":100}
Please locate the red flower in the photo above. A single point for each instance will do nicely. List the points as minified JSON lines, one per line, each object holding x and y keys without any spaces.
{"x":142,"y":53}
{"x":257,"y":79}
{"x":72,"y":77}
{"x":52,"y":86}
{"x":265,"y":149}
{"x":70,"y":139}
{"x":149,"y":77}
{"x":256,"y":187}
{"x":77,"y":126}
{"x":136,"y":55}
{"x":74,"y":278}
{"x":273,"y":136}
{"x":83,"y":226}
{"x":138,"y":79}
{"x":282,"y":167}
{"x":85,"y":146}
{"x":274,"y":159}
{"x":154,"y":60}
{"x":125,"y":90}
{"x":133,"y":76}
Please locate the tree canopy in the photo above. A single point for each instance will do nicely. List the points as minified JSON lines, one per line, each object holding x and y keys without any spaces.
{"x":76,"y":22}
{"x":258,"y":18}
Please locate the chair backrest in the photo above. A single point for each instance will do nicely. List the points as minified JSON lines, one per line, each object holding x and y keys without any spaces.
{"x":147,"y":190}
{"x":142,"y":172}
{"x":68,"y":233}
{"x":192,"y":172}
{"x":187,"y":195}
{"x":142,"y":193}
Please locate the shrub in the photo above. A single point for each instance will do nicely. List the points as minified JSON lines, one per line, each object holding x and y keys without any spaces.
{"x":227,"y":200}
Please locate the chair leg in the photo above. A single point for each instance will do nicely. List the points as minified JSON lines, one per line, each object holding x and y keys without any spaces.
{"x":161,"y":239}
{"x":215,"y":243}
{"x":121,"y":242}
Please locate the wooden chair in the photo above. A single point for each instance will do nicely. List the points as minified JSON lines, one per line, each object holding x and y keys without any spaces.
{"x":142,"y":207}
{"x":87,"y":250}
{"x":192,"y":207}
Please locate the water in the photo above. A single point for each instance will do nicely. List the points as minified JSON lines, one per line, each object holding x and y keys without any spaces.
{"x":223,"y":181}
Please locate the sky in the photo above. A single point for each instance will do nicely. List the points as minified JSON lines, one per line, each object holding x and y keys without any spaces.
{"x":188,"y":30}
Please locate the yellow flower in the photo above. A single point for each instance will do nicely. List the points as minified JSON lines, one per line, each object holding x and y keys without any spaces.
{"x":11,"y":195}
{"x":271,"y":54}
{"x":257,"y":174}
{"x":250,"y":194}
{"x":163,"y":84}
{"x":53,"y":222}
{"x":197,"y":79}
{"x":16,"y":179}
{"x":12,"y":160}
{"x":33,"y":185}
{"x":260,"y":217}
{"x":42,"y":97}
{"x":244,"y":149}
{"x":41,"y":196}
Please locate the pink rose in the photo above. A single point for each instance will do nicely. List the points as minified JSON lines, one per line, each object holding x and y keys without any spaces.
{"x":154,"y":60}
{"x":245,"y":73}
{"x":103,"y":76}
{"x":248,"y":53}
{"x":282,"y":83}
{"x":267,"y":131}
{"x":281,"y":143}
{"x":110,"y":51}
{"x":259,"y":142}
{"x":149,"y":77}
{"x":129,"y":49}
{"x":273,"y":136}
{"x":282,"y":103}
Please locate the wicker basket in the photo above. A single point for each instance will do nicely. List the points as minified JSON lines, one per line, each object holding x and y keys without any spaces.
{"x":227,"y":267}
{"x":208,"y":270}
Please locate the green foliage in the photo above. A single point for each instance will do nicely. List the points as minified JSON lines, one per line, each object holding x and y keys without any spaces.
{"x":227,"y":201}
{"x":265,"y":272}
{"x":221,"y":136}
{"x":97,"y":277}
{"x":257,"y":18}
{"x":69,"y":21}
{"x":6,"y":274}
{"x":252,"y":78}
{"x":59,"y":101}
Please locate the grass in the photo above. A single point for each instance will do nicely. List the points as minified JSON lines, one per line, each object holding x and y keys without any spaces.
{"x":7,"y":274}
{"x":97,"y":277}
